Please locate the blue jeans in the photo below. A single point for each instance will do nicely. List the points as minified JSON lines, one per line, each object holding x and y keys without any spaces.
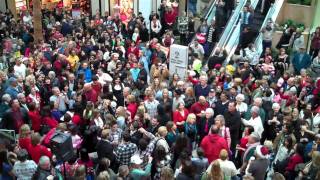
{"x":192,"y":6}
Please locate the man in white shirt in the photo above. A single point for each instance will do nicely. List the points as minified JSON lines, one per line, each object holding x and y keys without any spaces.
{"x":103,"y":77}
{"x":112,"y":65}
{"x":254,"y":121}
{"x":19,"y":68}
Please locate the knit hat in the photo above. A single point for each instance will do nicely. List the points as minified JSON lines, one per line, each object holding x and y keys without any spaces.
{"x":262,"y":151}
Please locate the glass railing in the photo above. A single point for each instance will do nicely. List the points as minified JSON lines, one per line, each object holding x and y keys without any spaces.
{"x":230,"y":27}
{"x":272,"y":15}
{"x":233,"y":41}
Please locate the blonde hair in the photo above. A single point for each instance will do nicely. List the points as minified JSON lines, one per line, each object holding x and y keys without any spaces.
{"x":215,"y":172}
{"x":191,"y":117}
{"x":190,"y":91}
{"x":24,"y":131}
{"x":131,"y":98}
{"x":316,"y":158}
{"x":223,"y":154}
{"x":121,"y":111}
{"x":162,"y":131}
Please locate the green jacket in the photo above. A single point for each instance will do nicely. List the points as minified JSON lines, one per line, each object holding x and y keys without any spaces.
{"x":137,"y":174}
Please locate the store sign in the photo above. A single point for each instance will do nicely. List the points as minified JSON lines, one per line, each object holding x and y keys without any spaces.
{"x":178,"y":61}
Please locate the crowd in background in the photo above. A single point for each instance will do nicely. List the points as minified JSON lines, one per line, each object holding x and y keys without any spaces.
{"x":106,"y":83}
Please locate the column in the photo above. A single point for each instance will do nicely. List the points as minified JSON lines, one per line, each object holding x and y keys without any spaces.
{"x":12,"y":7}
{"x":37,"y":20}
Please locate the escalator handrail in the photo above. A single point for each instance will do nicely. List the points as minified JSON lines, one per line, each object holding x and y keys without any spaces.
{"x":211,"y":10}
{"x":272,"y":14}
{"x":231,"y":25}
{"x":236,"y":34}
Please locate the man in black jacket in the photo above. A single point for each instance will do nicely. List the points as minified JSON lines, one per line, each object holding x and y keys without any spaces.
{"x":105,"y":148}
{"x":233,"y":122}
{"x":215,"y":59}
{"x":205,"y":123}
{"x":14,"y":117}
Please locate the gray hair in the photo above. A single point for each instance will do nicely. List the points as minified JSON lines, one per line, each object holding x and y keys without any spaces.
{"x":21,"y":95}
{"x":6,"y":98}
{"x":210,"y":111}
{"x":255,"y":109}
{"x":221,"y":118}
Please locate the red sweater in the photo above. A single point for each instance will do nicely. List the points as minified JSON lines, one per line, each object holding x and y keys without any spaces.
{"x":132,"y":108}
{"x":196,"y":108}
{"x":35,"y":120}
{"x":293,"y":161}
{"x":212,"y":144}
{"x":178,"y":117}
{"x":52,"y":123}
{"x":24,"y":143}
{"x":37,"y":151}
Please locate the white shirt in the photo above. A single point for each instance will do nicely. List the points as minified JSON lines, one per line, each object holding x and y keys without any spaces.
{"x":228,"y":168}
{"x":20,"y":70}
{"x":256,"y":123}
{"x":155,"y":27}
{"x":103,"y":78}
{"x":98,"y":122}
{"x":24,"y":170}
{"x":242,"y":108}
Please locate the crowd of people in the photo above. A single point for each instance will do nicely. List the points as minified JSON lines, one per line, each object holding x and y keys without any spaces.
{"x":106,"y":84}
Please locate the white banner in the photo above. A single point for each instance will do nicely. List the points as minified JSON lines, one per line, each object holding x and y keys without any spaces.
{"x":178,"y":62}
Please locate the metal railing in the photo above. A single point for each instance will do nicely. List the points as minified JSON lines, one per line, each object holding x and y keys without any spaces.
{"x":230,"y":27}
{"x":233,"y":41}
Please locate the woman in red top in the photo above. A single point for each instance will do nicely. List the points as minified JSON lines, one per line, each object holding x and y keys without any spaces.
{"x":35,"y":117}
{"x":36,"y":150}
{"x":132,"y":105}
{"x":24,"y":137}
{"x":133,"y":49}
{"x":170,"y":17}
{"x":244,"y":141}
{"x":294,"y":160}
{"x":180,"y":116}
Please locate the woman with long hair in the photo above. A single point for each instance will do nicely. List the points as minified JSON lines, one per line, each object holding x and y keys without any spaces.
{"x":180,"y":116}
{"x":24,"y":136}
{"x":172,"y":132}
{"x":294,"y":160}
{"x":214,"y":172}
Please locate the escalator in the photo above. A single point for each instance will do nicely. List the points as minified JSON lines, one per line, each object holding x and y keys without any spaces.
{"x":210,"y":13}
{"x":234,"y":39}
{"x":259,"y":21}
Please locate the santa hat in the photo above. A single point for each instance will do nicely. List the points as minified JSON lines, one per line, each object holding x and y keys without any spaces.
{"x":262,"y":151}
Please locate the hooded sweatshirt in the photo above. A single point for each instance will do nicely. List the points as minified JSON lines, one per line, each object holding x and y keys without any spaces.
{"x":212,"y":144}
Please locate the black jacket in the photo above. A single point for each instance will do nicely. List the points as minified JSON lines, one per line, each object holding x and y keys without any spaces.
{"x":202,"y":125}
{"x":8,"y":121}
{"x":105,"y":150}
{"x":233,"y":122}
{"x":213,"y":60}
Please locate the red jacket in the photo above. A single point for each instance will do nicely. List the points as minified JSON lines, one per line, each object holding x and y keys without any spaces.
{"x":212,"y":144}
{"x":293,"y":161}
{"x":37,"y":151}
{"x":35,"y":120}
{"x":51,"y":122}
{"x":177,"y":117}
{"x":24,"y":143}
{"x":196,"y":108}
